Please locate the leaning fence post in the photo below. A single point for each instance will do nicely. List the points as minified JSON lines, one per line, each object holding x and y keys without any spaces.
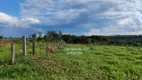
{"x":33,"y":47}
{"x":24,"y":45}
{"x":46,"y":47}
{"x":12,"y":52}
{"x":34,"y":40}
{"x":55,"y":44}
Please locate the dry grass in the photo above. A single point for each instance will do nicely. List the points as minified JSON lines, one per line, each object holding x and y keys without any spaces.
{"x":6,"y":43}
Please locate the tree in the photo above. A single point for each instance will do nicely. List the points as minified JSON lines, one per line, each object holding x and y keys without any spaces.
{"x":1,"y":37}
{"x":60,"y":35}
{"x":34,"y":41}
{"x":67,"y":38}
{"x":84,"y":40}
{"x":52,"y":35}
{"x":34,"y":37}
{"x":39,"y":36}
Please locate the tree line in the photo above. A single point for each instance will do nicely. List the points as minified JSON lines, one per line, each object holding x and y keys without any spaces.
{"x":53,"y":36}
{"x":123,"y":40}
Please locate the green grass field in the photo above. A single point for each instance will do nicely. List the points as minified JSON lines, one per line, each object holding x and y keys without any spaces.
{"x":96,"y":63}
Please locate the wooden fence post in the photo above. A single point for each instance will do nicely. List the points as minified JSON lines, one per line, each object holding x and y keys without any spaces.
{"x":55,"y":43}
{"x":33,"y":47}
{"x":24,"y":45}
{"x":12,"y":52}
{"x":46,"y":47}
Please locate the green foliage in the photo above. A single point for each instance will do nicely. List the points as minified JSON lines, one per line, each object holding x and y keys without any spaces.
{"x":34,"y":37}
{"x":1,"y":37}
{"x":52,"y":35}
{"x":97,"y":63}
{"x":39,"y":36}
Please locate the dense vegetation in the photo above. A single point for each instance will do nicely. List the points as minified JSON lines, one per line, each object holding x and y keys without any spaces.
{"x":124,"y":40}
{"x":82,"y":58}
{"x":97,"y":63}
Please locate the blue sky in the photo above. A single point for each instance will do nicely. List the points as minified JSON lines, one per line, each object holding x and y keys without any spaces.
{"x":79,"y":17}
{"x":10,"y":7}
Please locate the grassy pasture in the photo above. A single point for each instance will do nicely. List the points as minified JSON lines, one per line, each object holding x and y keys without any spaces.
{"x":98,"y":63}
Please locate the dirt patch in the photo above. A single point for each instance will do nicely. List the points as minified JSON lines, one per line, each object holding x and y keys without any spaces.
{"x":6,"y":43}
{"x":49,"y":60}
{"x":51,"y":64}
{"x":46,"y":61}
{"x":52,"y":61}
{"x":56,"y":65}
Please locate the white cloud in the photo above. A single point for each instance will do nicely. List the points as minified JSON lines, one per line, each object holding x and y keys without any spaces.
{"x":124,"y":17}
{"x":30,"y":20}
{"x":10,"y":21}
{"x":125,"y":21}
{"x":54,"y":12}
{"x":114,"y":31}
{"x":93,"y":32}
{"x":6,"y":19}
{"x":108,"y":16}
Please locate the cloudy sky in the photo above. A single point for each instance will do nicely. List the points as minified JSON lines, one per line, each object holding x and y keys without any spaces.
{"x":79,"y":17}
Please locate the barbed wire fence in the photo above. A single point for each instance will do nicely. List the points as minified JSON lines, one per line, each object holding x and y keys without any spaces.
{"x":30,"y":46}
